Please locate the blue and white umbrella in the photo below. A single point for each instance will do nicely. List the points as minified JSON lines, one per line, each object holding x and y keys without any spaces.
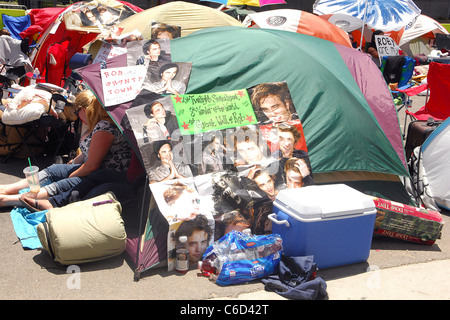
{"x":385,"y":15}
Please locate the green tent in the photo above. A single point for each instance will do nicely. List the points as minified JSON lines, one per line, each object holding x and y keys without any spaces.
{"x":341,"y":130}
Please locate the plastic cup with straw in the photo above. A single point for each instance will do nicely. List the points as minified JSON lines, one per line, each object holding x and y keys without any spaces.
{"x":30,"y":174}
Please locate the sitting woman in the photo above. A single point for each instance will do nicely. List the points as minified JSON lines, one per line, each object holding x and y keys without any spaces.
{"x":103,"y":148}
{"x":371,"y":47}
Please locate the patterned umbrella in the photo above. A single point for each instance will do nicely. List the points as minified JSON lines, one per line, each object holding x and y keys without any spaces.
{"x":385,"y":15}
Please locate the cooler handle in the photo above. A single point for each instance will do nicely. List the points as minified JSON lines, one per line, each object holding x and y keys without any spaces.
{"x":272,"y":217}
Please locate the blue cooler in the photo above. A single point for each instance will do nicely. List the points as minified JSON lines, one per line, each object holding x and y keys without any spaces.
{"x":334,"y":223}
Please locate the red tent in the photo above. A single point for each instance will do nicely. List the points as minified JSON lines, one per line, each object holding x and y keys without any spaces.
{"x":61,"y":32}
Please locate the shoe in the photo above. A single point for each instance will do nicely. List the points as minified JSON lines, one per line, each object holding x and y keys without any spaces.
{"x":28,"y":206}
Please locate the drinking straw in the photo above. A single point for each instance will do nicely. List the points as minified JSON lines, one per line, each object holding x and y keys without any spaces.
{"x":31,"y":169}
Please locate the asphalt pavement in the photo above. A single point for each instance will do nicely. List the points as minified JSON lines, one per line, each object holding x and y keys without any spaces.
{"x":395,"y":269}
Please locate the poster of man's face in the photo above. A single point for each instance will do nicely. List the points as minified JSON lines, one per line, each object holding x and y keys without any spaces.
{"x":236,"y":171}
{"x":99,"y":15}
{"x":199,"y":232}
{"x":153,"y":120}
{"x":164,"y":31}
{"x":177,"y":199}
{"x":153,"y":53}
{"x":272,"y":103}
{"x":247,"y":146}
{"x":170,"y":78}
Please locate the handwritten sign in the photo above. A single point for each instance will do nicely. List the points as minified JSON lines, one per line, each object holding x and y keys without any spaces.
{"x":122,"y":84}
{"x":213,"y":111}
{"x":108,"y":51}
{"x":386,"y":46}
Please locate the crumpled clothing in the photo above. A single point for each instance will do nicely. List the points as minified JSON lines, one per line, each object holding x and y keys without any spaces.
{"x":296,"y":279}
{"x":10,"y":49}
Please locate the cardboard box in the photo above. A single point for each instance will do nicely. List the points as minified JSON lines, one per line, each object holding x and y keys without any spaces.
{"x":401,"y":221}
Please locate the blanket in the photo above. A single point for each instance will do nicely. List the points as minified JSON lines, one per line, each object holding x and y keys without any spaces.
{"x":296,"y":279}
{"x":25,"y":224}
{"x":28,"y":105}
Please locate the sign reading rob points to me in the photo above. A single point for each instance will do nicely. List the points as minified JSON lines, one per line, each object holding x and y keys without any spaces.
{"x":213,"y":111}
{"x":386,"y":46}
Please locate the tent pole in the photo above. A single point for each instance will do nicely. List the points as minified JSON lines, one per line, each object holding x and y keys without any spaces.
{"x":136,"y":271}
{"x":364,"y":23}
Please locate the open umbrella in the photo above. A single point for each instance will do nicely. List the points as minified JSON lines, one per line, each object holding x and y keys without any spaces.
{"x":384,"y":15}
{"x":252,"y":3}
{"x":354,"y":25}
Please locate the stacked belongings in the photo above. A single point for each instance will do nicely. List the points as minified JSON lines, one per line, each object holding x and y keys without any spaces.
{"x":36,"y":121}
{"x":19,"y":131}
{"x":216,"y":161}
{"x":193,"y":145}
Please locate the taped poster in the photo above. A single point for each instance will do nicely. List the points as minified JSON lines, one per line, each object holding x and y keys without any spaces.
{"x":122,"y":84}
{"x":213,"y":111}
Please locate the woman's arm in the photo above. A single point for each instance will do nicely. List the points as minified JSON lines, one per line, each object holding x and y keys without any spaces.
{"x":100,"y":144}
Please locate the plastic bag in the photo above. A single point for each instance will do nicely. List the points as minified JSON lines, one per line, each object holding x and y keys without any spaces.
{"x":239,"y":257}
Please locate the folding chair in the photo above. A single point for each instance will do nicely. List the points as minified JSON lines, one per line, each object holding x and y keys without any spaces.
{"x":23,"y":140}
{"x":409,"y":92}
{"x":437,"y":106}
{"x":12,"y":75}
{"x":15,"y":25}
{"x":74,"y":83}
{"x":44,"y":135}
{"x":399,"y":70}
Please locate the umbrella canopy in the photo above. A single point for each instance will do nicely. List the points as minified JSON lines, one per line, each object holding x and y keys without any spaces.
{"x":301,"y":22}
{"x":344,"y":21}
{"x":252,"y":3}
{"x":351,"y":24}
{"x":189,"y":16}
{"x":385,"y":15}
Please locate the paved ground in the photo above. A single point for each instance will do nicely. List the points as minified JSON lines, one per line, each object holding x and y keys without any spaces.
{"x":395,"y":270}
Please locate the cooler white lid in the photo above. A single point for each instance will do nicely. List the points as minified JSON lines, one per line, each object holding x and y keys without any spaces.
{"x":324,"y":201}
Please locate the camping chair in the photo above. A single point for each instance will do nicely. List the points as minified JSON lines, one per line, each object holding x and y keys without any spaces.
{"x":74,"y":82}
{"x":398,"y":70}
{"x":437,"y":106}
{"x":15,"y":25}
{"x":46,"y":134}
{"x":12,"y":75}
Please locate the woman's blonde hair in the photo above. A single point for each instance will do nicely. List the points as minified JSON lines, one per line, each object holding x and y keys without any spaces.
{"x":94,"y":110}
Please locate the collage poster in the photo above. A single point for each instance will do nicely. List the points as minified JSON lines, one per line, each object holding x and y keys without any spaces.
{"x":215,"y":161}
